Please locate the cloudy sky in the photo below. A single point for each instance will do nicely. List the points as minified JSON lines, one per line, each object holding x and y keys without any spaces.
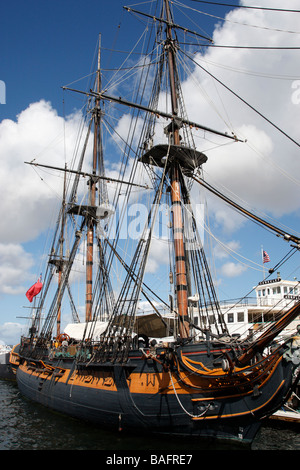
{"x":47,"y":44}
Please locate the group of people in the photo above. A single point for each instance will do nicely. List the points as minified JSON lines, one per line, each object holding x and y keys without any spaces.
{"x":60,"y":343}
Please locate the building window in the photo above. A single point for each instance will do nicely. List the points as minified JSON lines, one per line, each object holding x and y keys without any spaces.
{"x":240,"y":316}
{"x":230,"y":318}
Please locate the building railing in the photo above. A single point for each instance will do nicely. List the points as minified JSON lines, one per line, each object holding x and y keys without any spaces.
{"x":238,"y":302}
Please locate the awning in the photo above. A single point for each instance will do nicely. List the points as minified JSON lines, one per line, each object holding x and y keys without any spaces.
{"x":90,"y":330}
{"x":150,"y":325}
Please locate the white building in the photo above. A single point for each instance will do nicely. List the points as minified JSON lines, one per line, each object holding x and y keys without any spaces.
{"x":272,"y":298}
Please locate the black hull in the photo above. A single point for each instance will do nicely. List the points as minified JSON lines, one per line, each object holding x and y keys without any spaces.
{"x":109,"y":410}
{"x":102,"y":396}
{"x":6,"y":371}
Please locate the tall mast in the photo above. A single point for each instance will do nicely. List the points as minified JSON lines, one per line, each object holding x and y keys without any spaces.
{"x":180,"y":261}
{"x":61,"y":252}
{"x":92,"y":201}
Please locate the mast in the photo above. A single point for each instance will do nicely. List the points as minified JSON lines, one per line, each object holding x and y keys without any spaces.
{"x":92,"y":202}
{"x":61,"y":252}
{"x":180,"y":261}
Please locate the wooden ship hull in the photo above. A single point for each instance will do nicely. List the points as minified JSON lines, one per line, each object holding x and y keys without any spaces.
{"x":166,"y":392}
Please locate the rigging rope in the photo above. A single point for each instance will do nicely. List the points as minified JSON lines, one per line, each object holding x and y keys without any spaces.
{"x":237,"y":22}
{"x":247,"y":7}
{"x":244,"y":101}
{"x":181,"y":405}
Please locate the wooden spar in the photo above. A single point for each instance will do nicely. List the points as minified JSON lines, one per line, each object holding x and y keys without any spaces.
{"x":84,"y":173}
{"x":92,"y":202}
{"x":155,"y":18}
{"x":285,"y":235}
{"x":267,"y":337}
{"x":180,"y":263}
{"x":141,"y":107}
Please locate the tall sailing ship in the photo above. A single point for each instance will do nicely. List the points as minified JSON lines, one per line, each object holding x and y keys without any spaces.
{"x":157,"y":372}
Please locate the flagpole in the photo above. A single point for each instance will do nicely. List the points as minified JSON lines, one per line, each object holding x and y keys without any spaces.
{"x":265,"y":259}
{"x":262,"y":260}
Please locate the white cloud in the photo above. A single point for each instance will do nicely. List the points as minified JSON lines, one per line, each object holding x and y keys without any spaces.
{"x":10,"y":333}
{"x":15,"y":266}
{"x":158,"y":255}
{"x":223,"y":251}
{"x":232,"y":269}
{"x":262,"y":171}
{"x":29,"y":199}
{"x":27,"y":203}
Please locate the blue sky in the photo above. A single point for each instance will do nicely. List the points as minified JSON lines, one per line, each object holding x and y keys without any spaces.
{"x":47,"y":44}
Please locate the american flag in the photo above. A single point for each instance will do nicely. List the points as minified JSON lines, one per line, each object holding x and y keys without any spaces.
{"x":266,"y":257}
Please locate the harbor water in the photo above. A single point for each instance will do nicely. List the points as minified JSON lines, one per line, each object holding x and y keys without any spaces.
{"x":25,"y":425}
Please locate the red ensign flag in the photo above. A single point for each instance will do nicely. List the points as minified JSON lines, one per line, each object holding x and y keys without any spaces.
{"x":34,"y":290}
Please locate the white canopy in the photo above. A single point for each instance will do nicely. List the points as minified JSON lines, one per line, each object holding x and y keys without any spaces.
{"x":150,"y":325}
{"x":91,"y":330}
